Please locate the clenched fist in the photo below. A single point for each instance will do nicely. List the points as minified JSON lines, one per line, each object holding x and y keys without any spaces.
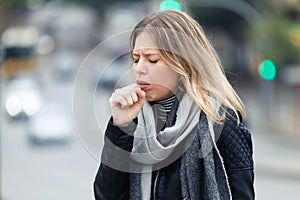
{"x":126,"y":104}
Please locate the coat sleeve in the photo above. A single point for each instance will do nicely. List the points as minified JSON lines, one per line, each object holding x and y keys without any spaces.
{"x":112,"y":179}
{"x":235,"y":146}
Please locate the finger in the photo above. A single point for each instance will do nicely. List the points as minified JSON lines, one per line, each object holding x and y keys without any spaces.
{"x":133,"y":93}
{"x":123,"y":102}
{"x":134,"y":96}
{"x":141,"y":94}
{"x":128,"y":98}
{"x":126,"y":94}
{"x":129,"y":93}
{"x":118,"y":100}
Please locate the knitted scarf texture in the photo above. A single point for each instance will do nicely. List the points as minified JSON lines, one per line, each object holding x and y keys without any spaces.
{"x":191,"y":137}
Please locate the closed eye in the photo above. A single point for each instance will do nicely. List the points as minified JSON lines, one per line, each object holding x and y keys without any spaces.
{"x":153,"y":61}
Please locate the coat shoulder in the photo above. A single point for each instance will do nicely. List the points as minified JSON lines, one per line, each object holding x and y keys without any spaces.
{"x":235,"y":144}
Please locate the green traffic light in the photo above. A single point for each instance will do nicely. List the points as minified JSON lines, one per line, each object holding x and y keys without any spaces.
{"x":267,"y":70}
{"x":169,"y":4}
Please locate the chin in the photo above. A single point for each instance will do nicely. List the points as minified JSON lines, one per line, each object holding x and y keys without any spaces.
{"x":151,"y":97}
{"x":157,"y":96}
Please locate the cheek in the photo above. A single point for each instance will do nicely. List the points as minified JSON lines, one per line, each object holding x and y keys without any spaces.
{"x":165,"y":77}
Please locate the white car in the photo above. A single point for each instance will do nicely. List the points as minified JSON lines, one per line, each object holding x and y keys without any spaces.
{"x":50,"y":125}
{"x":23,"y":97}
{"x":116,"y":74}
{"x":66,"y":65}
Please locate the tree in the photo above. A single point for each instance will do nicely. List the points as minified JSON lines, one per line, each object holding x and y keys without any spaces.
{"x":270,"y":38}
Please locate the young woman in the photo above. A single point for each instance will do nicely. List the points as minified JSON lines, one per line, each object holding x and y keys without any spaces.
{"x":176,"y":133}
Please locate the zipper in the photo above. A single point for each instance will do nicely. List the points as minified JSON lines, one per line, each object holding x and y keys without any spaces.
{"x":155,"y":184}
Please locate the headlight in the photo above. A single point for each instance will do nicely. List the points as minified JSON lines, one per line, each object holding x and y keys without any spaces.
{"x":31,"y":105}
{"x":13,"y":106}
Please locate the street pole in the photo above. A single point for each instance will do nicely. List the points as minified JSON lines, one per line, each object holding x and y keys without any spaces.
{"x":267,"y":103}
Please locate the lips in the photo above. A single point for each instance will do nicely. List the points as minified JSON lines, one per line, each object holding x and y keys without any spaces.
{"x":142,"y":84}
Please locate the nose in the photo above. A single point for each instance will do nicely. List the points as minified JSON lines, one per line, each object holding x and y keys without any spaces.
{"x":140,"y":67}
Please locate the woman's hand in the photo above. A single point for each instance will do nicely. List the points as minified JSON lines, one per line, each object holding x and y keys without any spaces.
{"x":126,"y":104}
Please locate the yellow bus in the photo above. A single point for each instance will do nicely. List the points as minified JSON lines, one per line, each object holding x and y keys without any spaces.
{"x":19,"y":49}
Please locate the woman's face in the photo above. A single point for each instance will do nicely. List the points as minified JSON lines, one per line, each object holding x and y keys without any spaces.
{"x":152,"y":73}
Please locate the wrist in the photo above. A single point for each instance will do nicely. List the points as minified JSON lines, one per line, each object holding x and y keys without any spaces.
{"x":118,"y":122}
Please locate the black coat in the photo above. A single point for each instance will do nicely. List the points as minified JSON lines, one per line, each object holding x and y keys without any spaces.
{"x":234,"y":144}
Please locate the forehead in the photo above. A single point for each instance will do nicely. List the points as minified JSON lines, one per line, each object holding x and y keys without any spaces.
{"x":144,"y":41}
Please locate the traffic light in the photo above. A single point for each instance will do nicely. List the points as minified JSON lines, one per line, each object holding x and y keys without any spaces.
{"x":267,"y":70}
{"x":169,"y":4}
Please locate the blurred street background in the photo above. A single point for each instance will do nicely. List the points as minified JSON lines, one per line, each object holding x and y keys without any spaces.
{"x":61,"y":60}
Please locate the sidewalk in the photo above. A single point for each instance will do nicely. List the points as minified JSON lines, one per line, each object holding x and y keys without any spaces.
{"x":275,"y":155}
{"x":273,"y":125}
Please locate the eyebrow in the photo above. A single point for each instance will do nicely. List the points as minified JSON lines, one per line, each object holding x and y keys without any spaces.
{"x":147,"y":54}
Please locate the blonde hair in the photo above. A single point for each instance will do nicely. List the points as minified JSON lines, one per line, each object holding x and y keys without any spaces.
{"x":184,"y":46}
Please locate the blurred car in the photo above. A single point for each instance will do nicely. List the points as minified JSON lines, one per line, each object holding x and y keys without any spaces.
{"x":115,"y":74}
{"x":66,"y":65}
{"x":52,"y":124}
{"x":120,"y":19}
{"x":23,"y":97}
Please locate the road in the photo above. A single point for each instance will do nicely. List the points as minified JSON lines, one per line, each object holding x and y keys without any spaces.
{"x":56,"y":171}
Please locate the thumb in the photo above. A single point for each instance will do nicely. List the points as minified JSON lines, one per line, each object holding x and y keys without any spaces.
{"x":141,"y":96}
